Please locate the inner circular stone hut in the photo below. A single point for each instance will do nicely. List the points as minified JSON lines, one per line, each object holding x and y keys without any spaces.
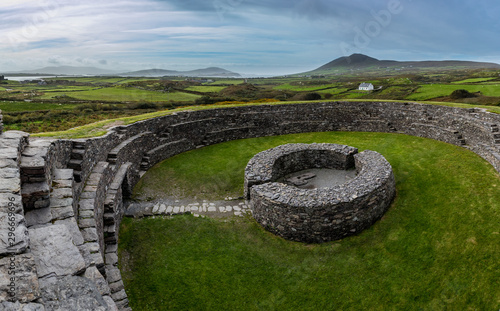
{"x":317,"y":193}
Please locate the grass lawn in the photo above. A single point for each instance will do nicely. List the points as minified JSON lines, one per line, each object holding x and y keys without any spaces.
{"x":97,"y":79}
{"x":354,"y":94}
{"x":115,"y":94}
{"x":12,"y":106}
{"x":69,"y":89}
{"x":302,"y":88}
{"x":333,"y":91}
{"x":206,"y":88}
{"x":474,"y":80}
{"x":437,"y":247}
{"x":430,"y":91}
{"x":227,"y":81}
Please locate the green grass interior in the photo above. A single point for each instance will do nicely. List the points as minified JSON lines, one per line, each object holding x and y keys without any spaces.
{"x":437,"y":248}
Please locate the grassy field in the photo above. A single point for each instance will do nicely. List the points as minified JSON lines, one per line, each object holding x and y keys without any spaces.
{"x":302,"y":88}
{"x":333,"y":91}
{"x":12,"y":106}
{"x":435,"y":249}
{"x":115,"y":94}
{"x":206,"y":88}
{"x":474,"y":80}
{"x":97,"y":79}
{"x":431,"y":91}
{"x":129,"y":95}
{"x":225,"y":81}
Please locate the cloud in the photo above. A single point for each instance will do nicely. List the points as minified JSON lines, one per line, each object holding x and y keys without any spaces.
{"x":54,"y":60}
{"x":256,"y":34}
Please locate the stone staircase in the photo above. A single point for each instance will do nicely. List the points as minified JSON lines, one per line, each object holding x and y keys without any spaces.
{"x":60,"y":248}
{"x":460,"y":138}
{"x":495,"y":130}
{"x":76,"y":161}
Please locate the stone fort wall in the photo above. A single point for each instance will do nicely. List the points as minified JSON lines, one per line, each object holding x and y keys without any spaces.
{"x":320,"y":214}
{"x":63,"y":199}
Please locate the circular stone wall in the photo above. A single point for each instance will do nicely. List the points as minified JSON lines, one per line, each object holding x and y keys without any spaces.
{"x":322,"y":214}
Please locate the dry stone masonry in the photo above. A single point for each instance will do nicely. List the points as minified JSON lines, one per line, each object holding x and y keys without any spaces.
{"x":321,"y":214}
{"x":1,"y":122}
{"x":61,"y":201}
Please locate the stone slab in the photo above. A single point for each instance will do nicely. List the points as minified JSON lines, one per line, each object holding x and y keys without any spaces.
{"x":55,"y":252}
{"x":14,"y":238}
{"x":18,"y":279}
{"x":10,"y":185}
{"x":11,"y":203}
{"x":72,"y":226}
{"x":93,"y":274}
{"x":73,"y":293}
{"x":39,"y":216}
{"x":59,"y":213}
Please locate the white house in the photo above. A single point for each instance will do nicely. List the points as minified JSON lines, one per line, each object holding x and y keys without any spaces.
{"x":366,"y":87}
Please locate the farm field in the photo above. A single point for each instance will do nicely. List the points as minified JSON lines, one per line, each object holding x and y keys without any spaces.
{"x":300,"y":88}
{"x":101,"y":80}
{"x":473,"y":80}
{"x":13,"y":106}
{"x":426,"y":92}
{"x":435,"y":249}
{"x":117,"y":94}
{"x":206,"y":88}
{"x":97,"y":98}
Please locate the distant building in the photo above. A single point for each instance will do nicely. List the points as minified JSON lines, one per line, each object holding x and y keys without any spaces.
{"x":2,"y":78}
{"x":366,"y":87}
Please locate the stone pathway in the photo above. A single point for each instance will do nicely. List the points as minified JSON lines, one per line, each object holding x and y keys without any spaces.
{"x":203,"y":209}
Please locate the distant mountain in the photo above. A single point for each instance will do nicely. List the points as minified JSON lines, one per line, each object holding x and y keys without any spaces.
{"x":69,"y":70}
{"x":207,"y":72}
{"x":360,"y":62}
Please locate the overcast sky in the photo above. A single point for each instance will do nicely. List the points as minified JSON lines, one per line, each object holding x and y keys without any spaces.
{"x":246,"y":36}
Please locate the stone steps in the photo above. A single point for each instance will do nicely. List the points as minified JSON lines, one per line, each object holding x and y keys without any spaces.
{"x":77,"y":156}
{"x":496,"y":133}
{"x":459,"y":137}
{"x":35,"y":181}
{"x":113,"y":154}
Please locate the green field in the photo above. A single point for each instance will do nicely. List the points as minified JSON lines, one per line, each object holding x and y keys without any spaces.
{"x":354,"y":94}
{"x":97,"y":79}
{"x":227,"y":81}
{"x":302,"y":88}
{"x":115,"y":94}
{"x":206,"y":89}
{"x":129,"y":95}
{"x":68,"y":89}
{"x":474,"y":80}
{"x":11,"y":106}
{"x":435,"y":249}
{"x":431,"y":91}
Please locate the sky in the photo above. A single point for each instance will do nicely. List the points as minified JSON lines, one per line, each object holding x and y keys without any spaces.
{"x":260,"y":37}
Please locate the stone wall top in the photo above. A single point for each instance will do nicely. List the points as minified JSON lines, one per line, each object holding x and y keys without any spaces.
{"x":372,"y":171}
{"x":1,"y":122}
{"x":269,"y":165}
{"x":328,"y":213}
